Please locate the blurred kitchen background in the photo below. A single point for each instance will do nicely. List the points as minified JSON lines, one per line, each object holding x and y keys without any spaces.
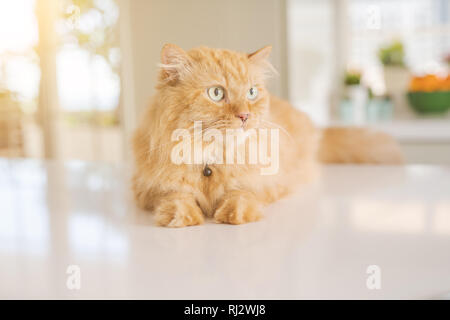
{"x":76,"y":74}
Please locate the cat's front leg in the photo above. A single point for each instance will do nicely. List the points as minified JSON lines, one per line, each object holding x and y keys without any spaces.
{"x":178,"y":209}
{"x":238,"y":207}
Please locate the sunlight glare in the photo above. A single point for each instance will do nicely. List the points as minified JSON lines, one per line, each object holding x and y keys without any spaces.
{"x":18,"y":25}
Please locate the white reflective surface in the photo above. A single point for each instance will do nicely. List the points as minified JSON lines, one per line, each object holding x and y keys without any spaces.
{"x":316,"y":244}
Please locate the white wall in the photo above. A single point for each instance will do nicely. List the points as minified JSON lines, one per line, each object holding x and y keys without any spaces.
{"x":316,"y":51}
{"x":232,"y":24}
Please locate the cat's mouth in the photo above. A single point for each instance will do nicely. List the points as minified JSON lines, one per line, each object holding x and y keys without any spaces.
{"x":248,"y":124}
{"x":244,"y":125}
{"x":238,"y":124}
{"x":223,"y":125}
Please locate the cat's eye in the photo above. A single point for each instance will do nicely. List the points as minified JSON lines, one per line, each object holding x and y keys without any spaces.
{"x":216,"y":93}
{"x":252,"y":93}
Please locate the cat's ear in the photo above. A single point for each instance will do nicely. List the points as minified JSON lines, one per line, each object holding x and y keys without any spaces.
{"x":261,"y":54}
{"x":260,"y":60}
{"x":174,"y":61}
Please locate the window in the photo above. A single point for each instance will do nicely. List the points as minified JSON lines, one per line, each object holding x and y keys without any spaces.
{"x":328,"y":37}
{"x":87,"y":66}
{"x":63,"y":89}
{"x":19,"y":78}
{"x":423,"y":26}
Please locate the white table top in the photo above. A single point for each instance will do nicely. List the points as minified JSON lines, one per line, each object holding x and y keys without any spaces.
{"x":434,"y":130}
{"x":315,"y":244}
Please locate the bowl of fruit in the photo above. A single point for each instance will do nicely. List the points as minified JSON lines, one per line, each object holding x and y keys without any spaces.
{"x":429,"y":94}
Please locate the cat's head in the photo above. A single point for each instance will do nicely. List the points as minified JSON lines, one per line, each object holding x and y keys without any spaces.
{"x":222,"y":88}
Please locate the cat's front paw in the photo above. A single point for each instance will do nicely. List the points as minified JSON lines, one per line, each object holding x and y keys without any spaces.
{"x":238,"y":209}
{"x":178,"y":211}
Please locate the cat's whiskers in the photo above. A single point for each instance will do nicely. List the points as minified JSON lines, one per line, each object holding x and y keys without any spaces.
{"x":199,"y":135}
{"x":272,"y":125}
{"x":219,"y":125}
{"x":195,"y":135}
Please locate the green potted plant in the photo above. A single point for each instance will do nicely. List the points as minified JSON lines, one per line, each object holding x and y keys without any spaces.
{"x":352,"y":106}
{"x":396,"y":74}
{"x":352,"y":78}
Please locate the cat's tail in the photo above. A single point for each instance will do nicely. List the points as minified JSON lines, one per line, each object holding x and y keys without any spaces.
{"x":358,"y":145}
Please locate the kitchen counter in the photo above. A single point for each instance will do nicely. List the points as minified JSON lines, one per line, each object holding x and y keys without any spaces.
{"x":424,"y":140}
{"x":409,"y":130}
{"x":360,"y":232}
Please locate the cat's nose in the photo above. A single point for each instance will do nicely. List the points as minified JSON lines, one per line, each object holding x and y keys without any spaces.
{"x":243,"y":116}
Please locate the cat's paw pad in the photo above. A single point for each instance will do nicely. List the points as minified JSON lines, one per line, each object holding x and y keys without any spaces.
{"x":237,"y":210}
{"x":178,"y":213}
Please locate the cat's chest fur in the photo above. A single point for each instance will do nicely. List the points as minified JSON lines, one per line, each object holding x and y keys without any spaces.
{"x":210,"y":189}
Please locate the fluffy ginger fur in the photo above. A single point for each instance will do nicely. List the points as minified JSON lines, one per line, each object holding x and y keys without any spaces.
{"x":180,"y":195}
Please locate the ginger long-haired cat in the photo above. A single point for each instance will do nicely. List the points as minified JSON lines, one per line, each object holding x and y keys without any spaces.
{"x":223,"y":90}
